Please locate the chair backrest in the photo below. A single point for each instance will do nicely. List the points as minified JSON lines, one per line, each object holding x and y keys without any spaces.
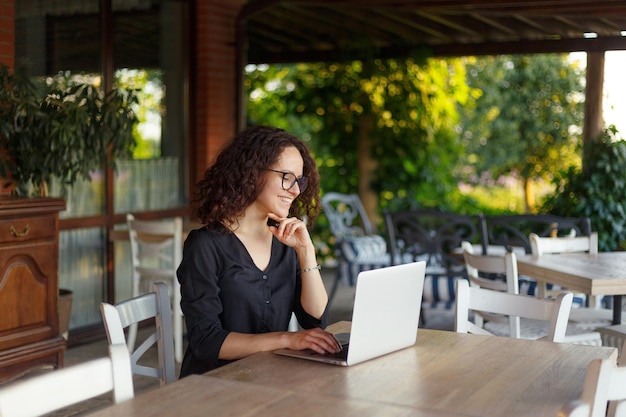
{"x":483,"y":270}
{"x":156,"y":247}
{"x":512,"y":230}
{"x":494,"y":272}
{"x":605,"y":383}
{"x":540,"y":245}
{"x":346,"y":215}
{"x":357,"y":241}
{"x":358,"y":246}
{"x":41,"y":394}
{"x":554,"y":310}
{"x":154,"y":305}
{"x":430,"y":235}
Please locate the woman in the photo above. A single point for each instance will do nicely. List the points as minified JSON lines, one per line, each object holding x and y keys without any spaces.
{"x":241,"y":278}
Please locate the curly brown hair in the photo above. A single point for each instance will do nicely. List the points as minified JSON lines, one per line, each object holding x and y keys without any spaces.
{"x":235,"y":179}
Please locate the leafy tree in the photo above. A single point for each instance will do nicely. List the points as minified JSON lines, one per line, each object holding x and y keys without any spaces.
{"x":407,"y":106}
{"x":524,"y":117}
{"x":597,"y":192}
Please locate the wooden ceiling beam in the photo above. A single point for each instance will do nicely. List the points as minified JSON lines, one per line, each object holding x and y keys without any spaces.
{"x":453,"y":50}
{"x":419,"y":26}
{"x":545,"y":7}
{"x":343,"y":28}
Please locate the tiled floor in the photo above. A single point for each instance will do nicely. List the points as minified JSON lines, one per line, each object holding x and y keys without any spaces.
{"x":341,"y":309}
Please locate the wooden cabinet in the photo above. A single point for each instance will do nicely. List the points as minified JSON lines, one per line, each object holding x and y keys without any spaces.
{"x":29,"y":252}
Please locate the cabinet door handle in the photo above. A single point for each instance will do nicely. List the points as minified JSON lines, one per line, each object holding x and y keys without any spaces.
{"x":20,"y":234}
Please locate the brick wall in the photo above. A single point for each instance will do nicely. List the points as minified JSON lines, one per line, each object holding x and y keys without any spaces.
{"x":215,"y":89}
{"x":7,"y":32}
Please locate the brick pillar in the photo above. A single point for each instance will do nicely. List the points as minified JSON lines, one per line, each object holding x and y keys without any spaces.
{"x":7,"y":32}
{"x":215,"y":90}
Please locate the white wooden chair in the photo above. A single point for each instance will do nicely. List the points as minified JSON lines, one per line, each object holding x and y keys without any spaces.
{"x":156,"y":250}
{"x":555,"y":311}
{"x":604,"y":391}
{"x":540,"y":245}
{"x":614,"y":335}
{"x":498,"y":273}
{"x":587,"y":318}
{"x":41,"y":394}
{"x":154,"y":305}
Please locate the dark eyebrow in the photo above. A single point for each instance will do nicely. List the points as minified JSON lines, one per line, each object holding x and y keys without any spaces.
{"x":287,"y":172}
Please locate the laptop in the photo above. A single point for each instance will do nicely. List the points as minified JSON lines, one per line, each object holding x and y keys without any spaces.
{"x":387,"y":306}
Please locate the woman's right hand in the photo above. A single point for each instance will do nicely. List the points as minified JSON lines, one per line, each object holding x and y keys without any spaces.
{"x":315,"y":339}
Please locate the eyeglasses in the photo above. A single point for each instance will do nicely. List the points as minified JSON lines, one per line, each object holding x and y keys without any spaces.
{"x":289,"y":180}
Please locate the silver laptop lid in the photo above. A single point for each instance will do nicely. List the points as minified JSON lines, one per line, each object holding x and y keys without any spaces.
{"x":386,"y":310}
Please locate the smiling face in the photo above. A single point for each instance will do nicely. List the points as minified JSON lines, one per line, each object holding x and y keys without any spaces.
{"x":274,"y":198}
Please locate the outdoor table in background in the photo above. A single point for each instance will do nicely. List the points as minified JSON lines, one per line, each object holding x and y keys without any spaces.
{"x":600,"y":274}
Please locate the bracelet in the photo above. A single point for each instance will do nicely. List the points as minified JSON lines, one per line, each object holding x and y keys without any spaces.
{"x":317,"y":267}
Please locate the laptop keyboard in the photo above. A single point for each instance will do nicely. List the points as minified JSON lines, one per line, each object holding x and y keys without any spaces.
{"x":342,"y":354}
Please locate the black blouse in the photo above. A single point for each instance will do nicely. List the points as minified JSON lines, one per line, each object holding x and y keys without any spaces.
{"x":222,"y":290}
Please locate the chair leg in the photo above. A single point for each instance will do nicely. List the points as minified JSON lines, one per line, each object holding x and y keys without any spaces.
{"x":177,"y":326}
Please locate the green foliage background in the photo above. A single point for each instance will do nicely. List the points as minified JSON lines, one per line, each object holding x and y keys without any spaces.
{"x":526,"y":118}
{"x":443,"y":132}
{"x":598,"y":191}
{"x":411,"y":105}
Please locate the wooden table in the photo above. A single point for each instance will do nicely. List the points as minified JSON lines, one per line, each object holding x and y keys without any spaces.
{"x":209,"y":396}
{"x":601,"y":274}
{"x":446,"y":372}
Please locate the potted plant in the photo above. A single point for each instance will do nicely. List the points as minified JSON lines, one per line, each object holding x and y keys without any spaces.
{"x":61,"y":128}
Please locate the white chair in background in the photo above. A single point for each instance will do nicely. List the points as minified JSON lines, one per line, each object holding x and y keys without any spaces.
{"x":494,"y":272}
{"x":156,"y":251}
{"x":554,"y":311}
{"x":41,"y":394}
{"x":154,"y":305}
{"x":570,"y":244}
{"x":499,"y":273}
